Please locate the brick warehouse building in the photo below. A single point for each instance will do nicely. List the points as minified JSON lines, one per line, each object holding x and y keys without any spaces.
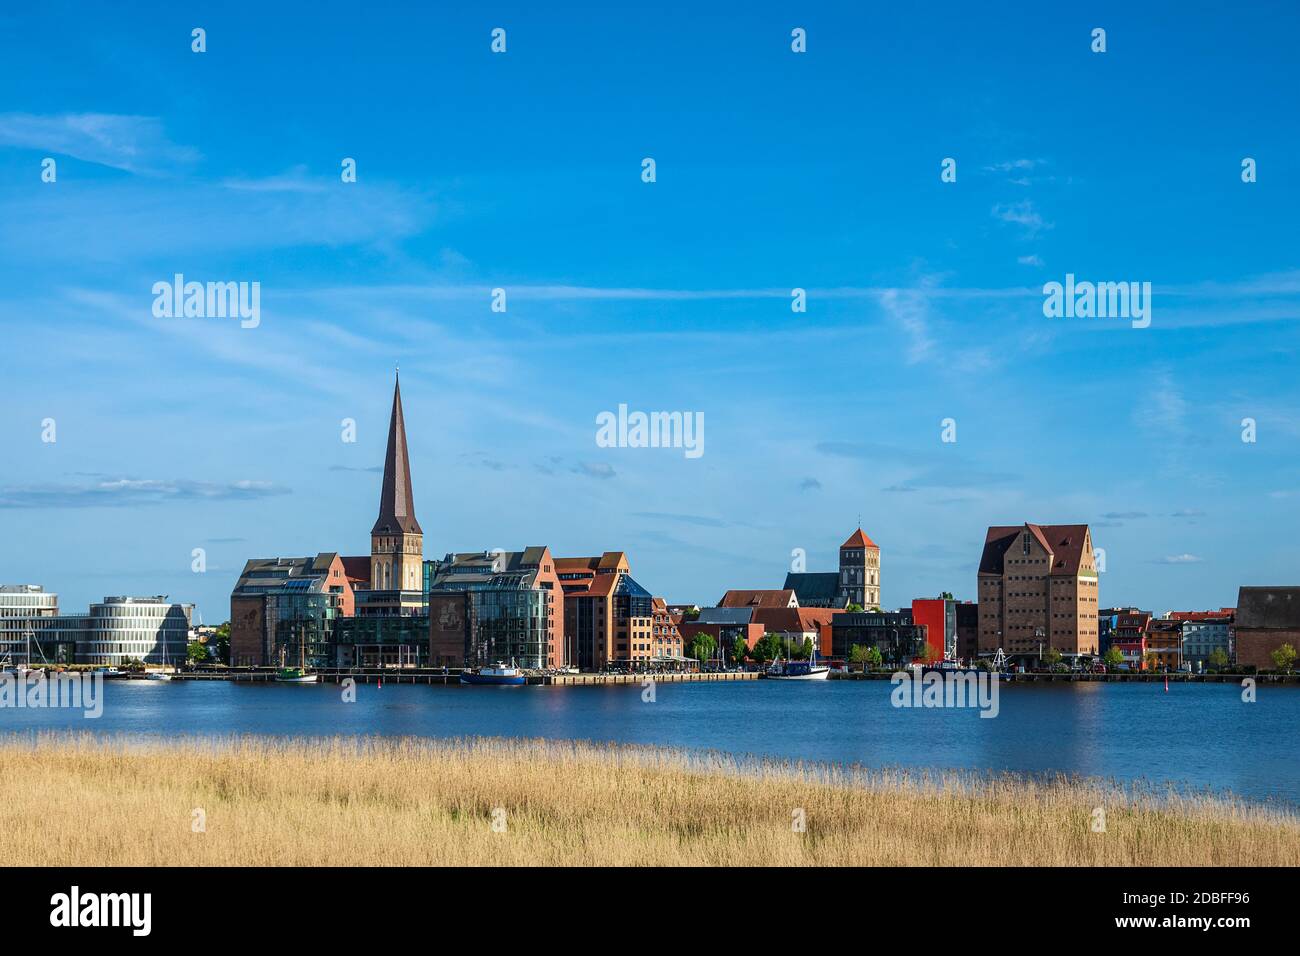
{"x":1267,"y":618}
{"x":1038,"y":590}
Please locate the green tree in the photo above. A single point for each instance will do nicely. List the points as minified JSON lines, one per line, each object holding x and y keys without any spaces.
{"x":221,"y":644}
{"x":702,"y":646}
{"x":196,"y":652}
{"x":930,"y":655}
{"x":854,"y":608}
{"x":1112,"y":658}
{"x":801,"y":651}
{"x":1284,"y":658}
{"x":1051,"y":657}
{"x":858,"y":655}
{"x":767,"y":648}
{"x":738,"y":650}
{"x":1218,"y":659}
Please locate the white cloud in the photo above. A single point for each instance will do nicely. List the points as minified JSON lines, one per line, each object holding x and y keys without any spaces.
{"x":136,"y":144}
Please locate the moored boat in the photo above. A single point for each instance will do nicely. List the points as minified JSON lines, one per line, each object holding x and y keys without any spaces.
{"x":294,"y":675}
{"x":797,"y":670}
{"x":497,"y":673}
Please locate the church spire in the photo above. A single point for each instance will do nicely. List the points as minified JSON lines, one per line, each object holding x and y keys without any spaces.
{"x":396,"y":503}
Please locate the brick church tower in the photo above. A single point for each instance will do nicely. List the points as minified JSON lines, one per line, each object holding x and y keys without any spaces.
{"x":396,"y":540}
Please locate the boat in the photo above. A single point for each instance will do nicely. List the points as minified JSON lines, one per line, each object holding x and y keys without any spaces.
{"x":160,"y":675}
{"x":294,"y":675}
{"x":797,"y":670}
{"x":791,"y":669}
{"x":497,"y":673}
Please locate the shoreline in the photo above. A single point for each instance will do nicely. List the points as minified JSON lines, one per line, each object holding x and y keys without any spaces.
{"x":377,"y":801}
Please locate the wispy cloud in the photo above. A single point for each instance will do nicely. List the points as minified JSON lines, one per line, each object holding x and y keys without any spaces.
{"x":136,"y":144}
{"x":699,"y":520}
{"x":599,"y":469}
{"x":1022,"y":214}
{"x":1180,"y":559}
{"x":134,"y":492}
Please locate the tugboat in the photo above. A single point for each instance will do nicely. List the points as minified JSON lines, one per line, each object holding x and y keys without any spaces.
{"x":497,"y":673}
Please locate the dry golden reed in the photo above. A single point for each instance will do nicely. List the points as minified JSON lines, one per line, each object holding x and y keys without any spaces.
{"x":84,"y":800}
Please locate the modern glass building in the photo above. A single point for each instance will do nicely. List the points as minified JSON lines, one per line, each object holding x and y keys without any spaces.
{"x":116,"y":631}
{"x":20,"y":606}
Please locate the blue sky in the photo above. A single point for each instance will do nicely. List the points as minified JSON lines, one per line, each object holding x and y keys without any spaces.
{"x":774,"y":170}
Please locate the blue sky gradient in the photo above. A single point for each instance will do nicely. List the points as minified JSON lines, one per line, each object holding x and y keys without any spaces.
{"x":775,"y":171}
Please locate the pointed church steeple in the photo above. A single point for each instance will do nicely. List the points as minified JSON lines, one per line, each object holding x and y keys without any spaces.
{"x":396,"y":502}
{"x":396,"y":540}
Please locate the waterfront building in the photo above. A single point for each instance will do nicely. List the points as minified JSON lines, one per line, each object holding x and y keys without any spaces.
{"x":939,"y":615}
{"x":489,"y":606}
{"x":666,"y":636}
{"x":117,"y":631}
{"x":1205,"y":632}
{"x":609,"y":619}
{"x":726,"y":625}
{"x":1165,"y":644}
{"x":799,"y":624}
{"x":1267,"y":618}
{"x":1038,"y":590}
{"x":19,"y":605}
{"x":1129,"y":637}
{"x":1107,"y":619}
{"x":756,"y":599}
{"x":860,"y":571}
{"x":895,"y":634}
{"x":968,"y":630}
{"x":287,"y":607}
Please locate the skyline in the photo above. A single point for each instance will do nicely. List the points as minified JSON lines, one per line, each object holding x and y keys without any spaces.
{"x":818,"y":171}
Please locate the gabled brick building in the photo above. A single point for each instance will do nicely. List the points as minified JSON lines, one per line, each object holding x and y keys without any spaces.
{"x":1038,"y":590}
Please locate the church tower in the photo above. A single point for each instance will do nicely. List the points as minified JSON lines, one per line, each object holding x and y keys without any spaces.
{"x":860,"y":571}
{"x":396,"y":541}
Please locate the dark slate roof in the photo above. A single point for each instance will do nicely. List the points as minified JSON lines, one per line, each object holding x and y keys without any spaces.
{"x":724,"y":615}
{"x":396,"y":501}
{"x":811,"y":586}
{"x":1268,"y":607}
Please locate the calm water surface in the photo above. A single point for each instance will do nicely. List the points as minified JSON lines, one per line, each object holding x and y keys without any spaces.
{"x":1197,"y":736}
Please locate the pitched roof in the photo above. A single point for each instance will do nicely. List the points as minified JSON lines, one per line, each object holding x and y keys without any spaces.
{"x":782,"y":598}
{"x":793,"y":619}
{"x":356,"y":567}
{"x":813,"y":586}
{"x":724,"y":615}
{"x":396,"y":501}
{"x":1276,"y":607}
{"x":859,"y":539}
{"x":1063,"y":541}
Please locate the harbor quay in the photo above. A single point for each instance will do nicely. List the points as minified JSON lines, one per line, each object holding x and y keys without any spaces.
{"x":425,"y":675}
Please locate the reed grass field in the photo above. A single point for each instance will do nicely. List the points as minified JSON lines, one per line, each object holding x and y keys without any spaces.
{"x":86,"y":801}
